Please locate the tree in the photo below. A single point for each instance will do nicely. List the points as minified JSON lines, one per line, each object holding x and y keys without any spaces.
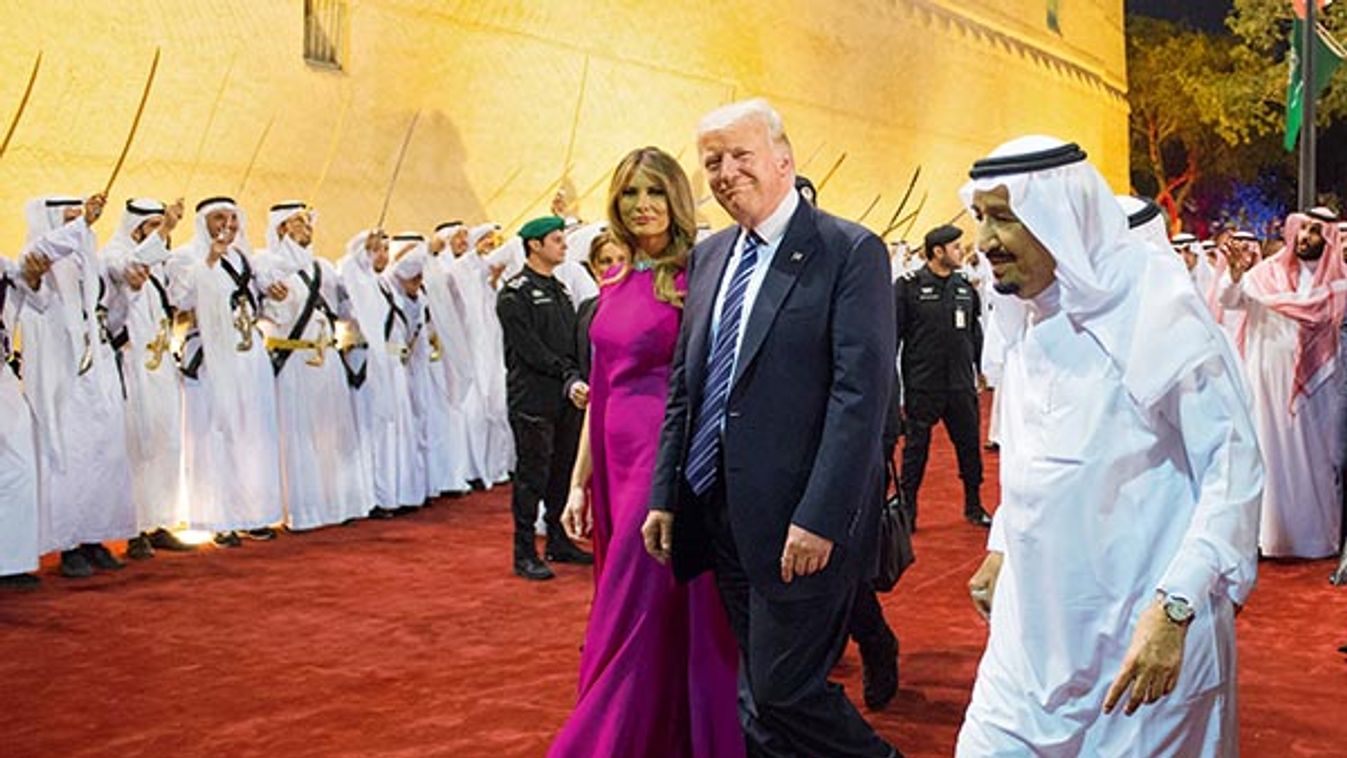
{"x":1208,"y":110}
{"x":1195,"y":115}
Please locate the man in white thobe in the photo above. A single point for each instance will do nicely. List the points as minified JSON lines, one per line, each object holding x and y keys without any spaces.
{"x":385,"y":421}
{"x":19,"y":538}
{"x":471,"y":280}
{"x":410,"y":343}
{"x":231,"y":453}
{"x":1294,"y":302}
{"x":135,"y":258}
{"x":324,"y":475}
{"x":1130,"y":482}
{"x":70,"y":377}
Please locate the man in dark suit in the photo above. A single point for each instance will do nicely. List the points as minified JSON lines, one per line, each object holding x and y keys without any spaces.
{"x":770,"y":470}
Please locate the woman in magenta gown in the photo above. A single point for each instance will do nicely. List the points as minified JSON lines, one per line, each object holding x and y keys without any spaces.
{"x":658,"y":670}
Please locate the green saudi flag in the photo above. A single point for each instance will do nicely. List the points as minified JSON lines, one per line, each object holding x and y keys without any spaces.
{"x":1328,"y":55}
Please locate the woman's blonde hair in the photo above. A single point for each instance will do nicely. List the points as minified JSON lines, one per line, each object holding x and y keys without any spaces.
{"x":665,"y":171}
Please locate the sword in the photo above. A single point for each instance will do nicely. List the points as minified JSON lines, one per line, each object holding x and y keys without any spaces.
{"x":210,"y":120}
{"x":893,"y":220}
{"x":873,"y":203}
{"x":397,"y":169}
{"x":831,"y":171}
{"x":256,"y":152}
{"x":23,"y":104}
{"x":135,"y":123}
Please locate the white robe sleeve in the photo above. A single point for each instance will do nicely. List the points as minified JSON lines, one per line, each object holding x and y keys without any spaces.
{"x":64,"y":240}
{"x":1219,"y":552}
{"x":1231,"y":293}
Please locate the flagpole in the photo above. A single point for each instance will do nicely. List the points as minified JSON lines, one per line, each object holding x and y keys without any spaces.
{"x":1308,"y":45}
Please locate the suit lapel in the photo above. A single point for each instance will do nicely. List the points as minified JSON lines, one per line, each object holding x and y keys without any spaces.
{"x":704,"y":288}
{"x":791,"y":255}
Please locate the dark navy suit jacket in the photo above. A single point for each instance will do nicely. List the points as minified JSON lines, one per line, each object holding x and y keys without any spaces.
{"x":805,"y":415}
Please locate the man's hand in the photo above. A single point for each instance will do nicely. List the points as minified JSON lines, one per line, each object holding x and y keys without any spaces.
{"x":982,"y":587}
{"x":982,"y":382}
{"x":576,"y":519}
{"x":579,"y":395}
{"x":34,"y":266}
{"x":1153,"y":662}
{"x":657,"y":532}
{"x":1240,"y":261}
{"x":805,"y":553}
{"x":172,"y":215}
{"x":136,"y":275}
{"x":93,"y":207}
{"x":278,"y":291}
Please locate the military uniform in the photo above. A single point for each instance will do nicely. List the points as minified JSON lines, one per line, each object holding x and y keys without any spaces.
{"x":539,"y":325}
{"x":940,"y":344}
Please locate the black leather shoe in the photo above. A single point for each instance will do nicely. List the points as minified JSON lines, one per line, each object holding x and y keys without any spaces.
{"x":879,"y":672}
{"x":381,"y":513}
{"x":978,"y":518}
{"x":163,"y":539}
{"x":1341,"y":648}
{"x":529,"y":567}
{"x":74,"y":565}
{"x":20,"y":582}
{"x":562,"y":550}
{"x":991,"y":447}
{"x":228,"y":539}
{"x":407,"y":510}
{"x":139,"y":548}
{"x":101,"y":557}
{"x":261,"y":534}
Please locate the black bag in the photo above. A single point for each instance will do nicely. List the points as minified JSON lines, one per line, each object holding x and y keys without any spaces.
{"x":894,"y":553}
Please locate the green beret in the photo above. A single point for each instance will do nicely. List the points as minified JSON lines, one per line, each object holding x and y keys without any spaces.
{"x":541,"y":227}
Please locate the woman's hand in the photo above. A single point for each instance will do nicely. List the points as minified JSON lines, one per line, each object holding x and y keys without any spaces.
{"x":576,"y":519}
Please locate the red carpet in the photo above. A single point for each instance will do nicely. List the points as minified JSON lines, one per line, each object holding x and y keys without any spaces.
{"x":411,"y":638}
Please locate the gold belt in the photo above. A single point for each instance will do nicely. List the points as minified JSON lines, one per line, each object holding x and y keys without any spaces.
{"x":318,"y":347}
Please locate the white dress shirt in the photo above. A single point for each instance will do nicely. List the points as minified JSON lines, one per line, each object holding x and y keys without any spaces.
{"x":772,"y":230}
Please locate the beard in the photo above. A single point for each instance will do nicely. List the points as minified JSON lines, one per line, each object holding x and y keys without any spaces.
{"x":1006,"y":288}
{"x":1309,"y":252}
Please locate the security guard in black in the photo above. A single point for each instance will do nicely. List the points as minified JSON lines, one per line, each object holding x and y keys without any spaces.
{"x":545,"y":393}
{"x":940,"y":343}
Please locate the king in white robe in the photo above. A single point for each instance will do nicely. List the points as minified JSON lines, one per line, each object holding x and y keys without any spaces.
{"x":1129,"y":472}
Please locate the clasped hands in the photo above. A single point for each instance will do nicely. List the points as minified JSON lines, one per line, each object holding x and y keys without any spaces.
{"x":804,"y":553}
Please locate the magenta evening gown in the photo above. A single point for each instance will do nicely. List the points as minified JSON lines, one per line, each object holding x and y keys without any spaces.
{"x":659,"y":665}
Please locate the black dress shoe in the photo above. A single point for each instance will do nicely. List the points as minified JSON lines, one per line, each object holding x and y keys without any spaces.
{"x":163,"y":539}
{"x":978,"y":518}
{"x":20,"y":582}
{"x":879,"y":672}
{"x":228,"y":539}
{"x":101,"y":557}
{"x":477,"y":485}
{"x":1341,"y":648}
{"x":261,"y":534}
{"x":139,"y":548}
{"x":407,"y":509}
{"x":991,"y":447}
{"x":562,"y":550}
{"x":74,"y":565}
{"x":379,"y":512}
{"x":529,"y":567}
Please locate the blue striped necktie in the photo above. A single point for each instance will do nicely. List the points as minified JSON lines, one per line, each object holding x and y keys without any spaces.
{"x":704,"y":453}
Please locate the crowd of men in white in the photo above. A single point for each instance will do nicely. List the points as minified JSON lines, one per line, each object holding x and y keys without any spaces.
{"x":208,"y":386}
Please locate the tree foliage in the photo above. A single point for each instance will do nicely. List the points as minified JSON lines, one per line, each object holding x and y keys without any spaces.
{"x":1208,"y":110}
